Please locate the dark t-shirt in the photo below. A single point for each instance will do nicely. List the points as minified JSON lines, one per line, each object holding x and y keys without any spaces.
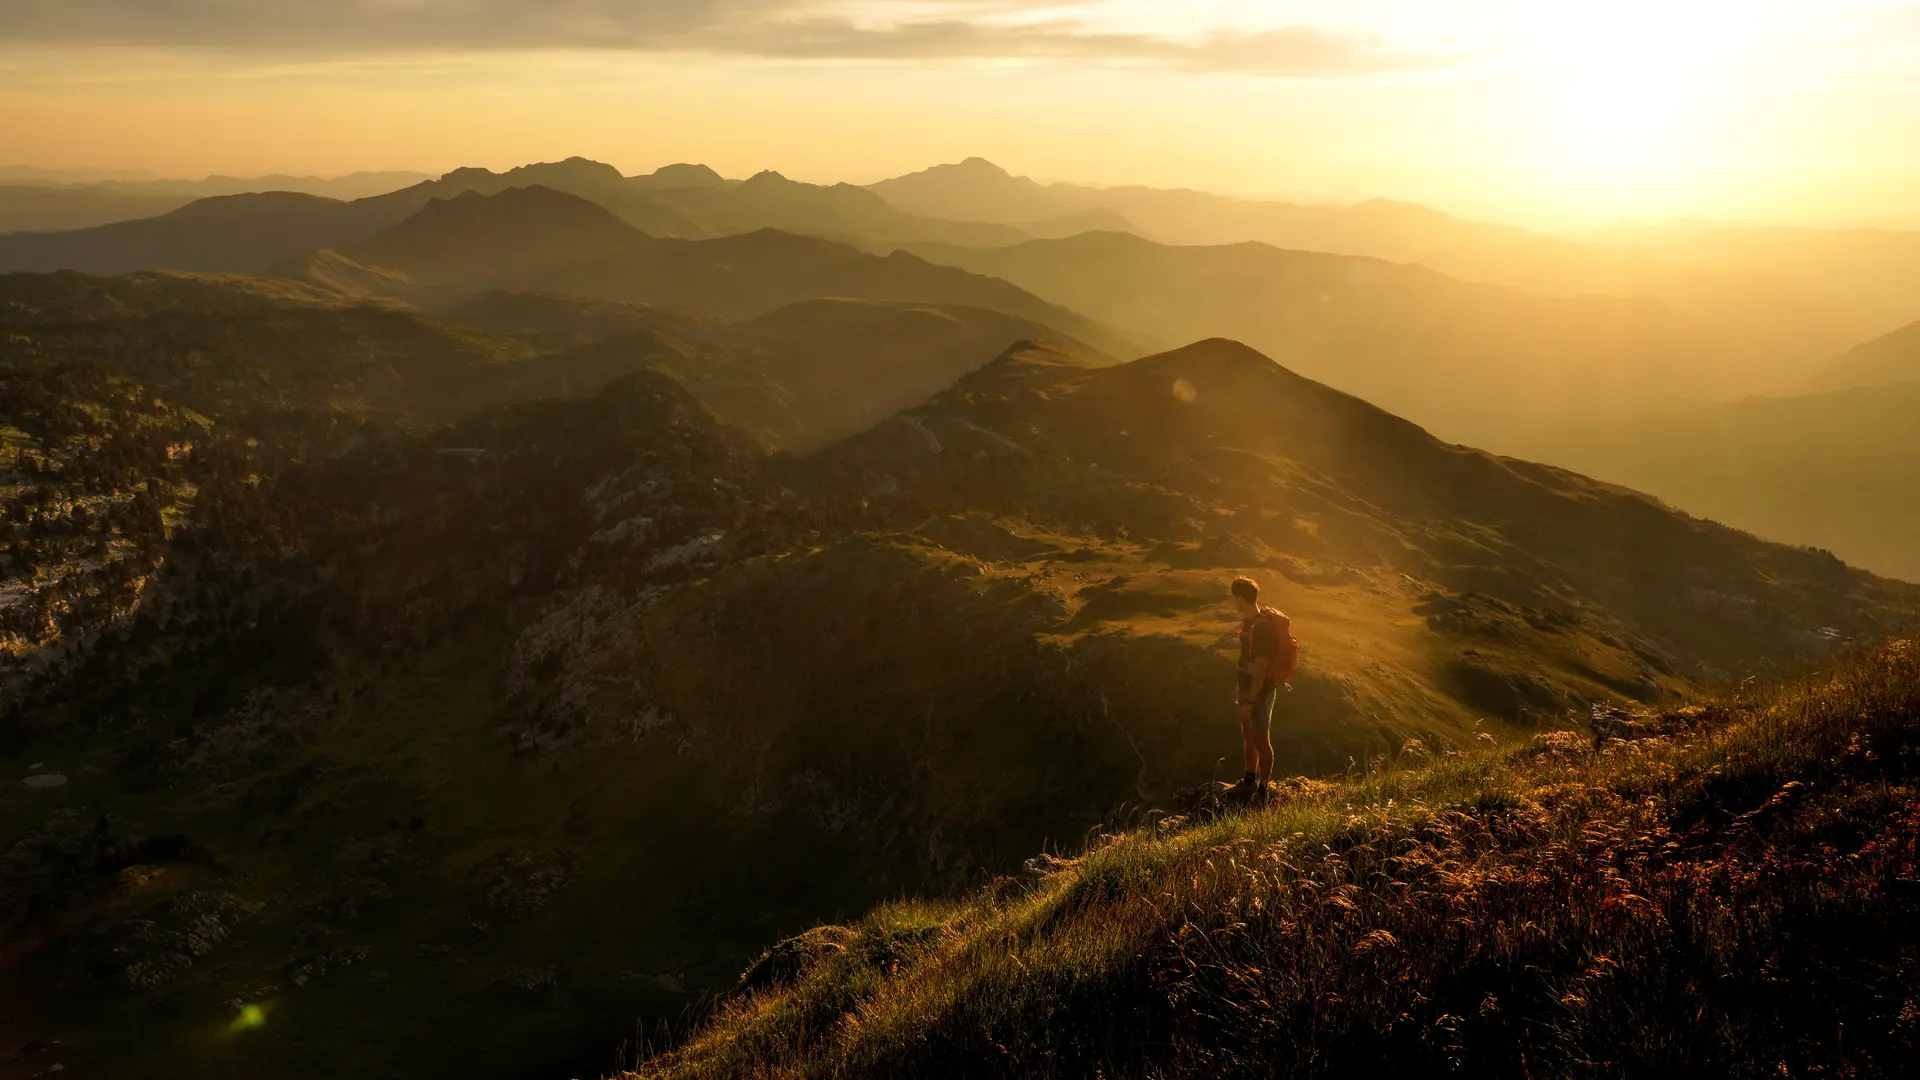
{"x":1258,"y":638}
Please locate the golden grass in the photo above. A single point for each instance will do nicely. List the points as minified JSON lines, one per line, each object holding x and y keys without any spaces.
{"x":1735,"y":899}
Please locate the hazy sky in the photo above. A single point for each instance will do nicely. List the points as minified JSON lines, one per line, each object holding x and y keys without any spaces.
{"x":1536,"y":111}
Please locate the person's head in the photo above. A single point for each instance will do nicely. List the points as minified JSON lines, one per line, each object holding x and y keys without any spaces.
{"x":1246,"y":596}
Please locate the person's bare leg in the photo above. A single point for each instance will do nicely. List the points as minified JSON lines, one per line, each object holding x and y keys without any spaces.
{"x":1260,"y":738}
{"x":1250,"y":746}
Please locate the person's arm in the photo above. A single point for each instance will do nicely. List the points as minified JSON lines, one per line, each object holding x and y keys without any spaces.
{"x":1266,"y":643}
{"x":1258,"y":669}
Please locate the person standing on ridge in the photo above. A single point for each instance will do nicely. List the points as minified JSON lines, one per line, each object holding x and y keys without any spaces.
{"x":1268,"y":656}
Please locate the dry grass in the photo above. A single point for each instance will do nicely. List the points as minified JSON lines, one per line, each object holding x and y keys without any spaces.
{"x":1737,"y":899}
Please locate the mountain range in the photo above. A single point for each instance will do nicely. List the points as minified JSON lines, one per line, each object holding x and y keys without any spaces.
{"x":1567,"y":378}
{"x":1544,"y":366}
{"x":443,"y":690}
{"x":539,"y":239}
{"x":246,"y":233}
{"x":1808,"y":292}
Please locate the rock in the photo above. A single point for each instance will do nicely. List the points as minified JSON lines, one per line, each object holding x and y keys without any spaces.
{"x":46,"y":780}
{"x":524,"y":882}
{"x":1203,"y":801}
{"x":1219,"y":797}
{"x":1046,"y":865}
{"x":783,"y":964}
{"x":1612,"y":722}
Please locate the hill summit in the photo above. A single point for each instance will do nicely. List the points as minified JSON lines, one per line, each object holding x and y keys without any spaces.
{"x":522,"y":226}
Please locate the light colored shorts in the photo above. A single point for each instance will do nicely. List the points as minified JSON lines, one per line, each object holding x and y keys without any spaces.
{"x":1262,"y":718}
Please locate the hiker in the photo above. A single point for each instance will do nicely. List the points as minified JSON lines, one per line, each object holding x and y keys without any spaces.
{"x":1268,"y":655}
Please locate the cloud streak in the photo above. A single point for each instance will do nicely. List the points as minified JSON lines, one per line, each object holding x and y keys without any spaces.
{"x":787,"y":29}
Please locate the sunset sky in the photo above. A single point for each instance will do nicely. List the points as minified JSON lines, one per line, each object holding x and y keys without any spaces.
{"x":1541,"y":113}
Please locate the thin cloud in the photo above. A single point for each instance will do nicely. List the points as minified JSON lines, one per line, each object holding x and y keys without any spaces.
{"x":792,"y":29}
{"x":1304,"y":52}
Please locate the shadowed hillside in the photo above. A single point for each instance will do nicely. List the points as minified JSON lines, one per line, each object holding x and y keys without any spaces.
{"x":794,"y":378}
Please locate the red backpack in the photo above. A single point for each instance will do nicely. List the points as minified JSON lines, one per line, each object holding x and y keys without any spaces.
{"x":1286,"y":656}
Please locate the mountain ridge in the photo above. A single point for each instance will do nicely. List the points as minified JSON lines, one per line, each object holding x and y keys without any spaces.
{"x":225,"y":233}
{"x":1886,"y":360}
{"x":1482,"y":361}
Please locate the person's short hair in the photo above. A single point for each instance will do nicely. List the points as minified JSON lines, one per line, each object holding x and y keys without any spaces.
{"x":1247,"y":589}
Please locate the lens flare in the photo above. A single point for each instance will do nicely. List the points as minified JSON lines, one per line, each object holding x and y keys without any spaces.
{"x":249,"y":1017}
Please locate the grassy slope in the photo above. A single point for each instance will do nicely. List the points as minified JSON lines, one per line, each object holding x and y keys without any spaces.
{"x":1734,"y":899}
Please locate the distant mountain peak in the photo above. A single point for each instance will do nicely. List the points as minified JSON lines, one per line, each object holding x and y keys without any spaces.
{"x":519,"y":201}
{"x":574,"y":173}
{"x":682,"y":175}
{"x":981,"y":165}
{"x":518,"y":223}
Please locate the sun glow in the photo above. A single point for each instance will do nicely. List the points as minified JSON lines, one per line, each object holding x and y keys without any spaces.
{"x":1630,"y":88}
